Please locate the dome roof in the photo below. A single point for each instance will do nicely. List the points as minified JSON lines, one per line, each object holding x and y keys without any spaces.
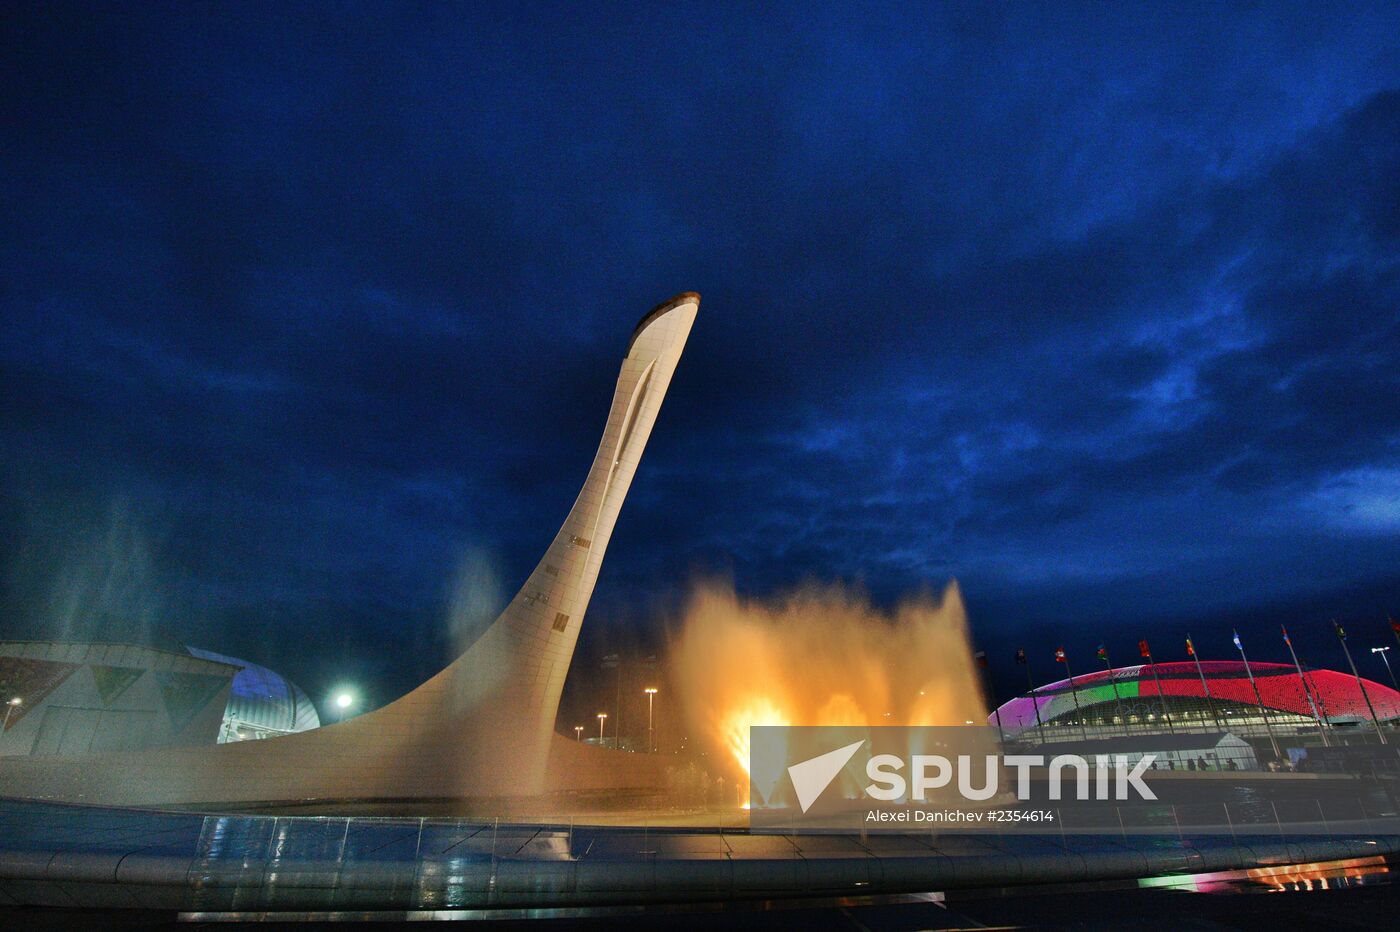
{"x":263,"y":698}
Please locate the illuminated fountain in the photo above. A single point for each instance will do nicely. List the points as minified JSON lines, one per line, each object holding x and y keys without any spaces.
{"x":821,"y":656}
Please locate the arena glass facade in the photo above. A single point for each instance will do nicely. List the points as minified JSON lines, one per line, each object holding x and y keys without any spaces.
{"x":1150,"y":696}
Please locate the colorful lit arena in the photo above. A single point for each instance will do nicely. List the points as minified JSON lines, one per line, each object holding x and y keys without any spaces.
{"x":1152,"y":697}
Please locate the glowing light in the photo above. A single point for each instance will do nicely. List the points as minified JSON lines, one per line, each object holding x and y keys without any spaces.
{"x":1316,"y":876}
{"x":344,"y":700}
{"x":822,"y":657}
{"x":759,"y":710}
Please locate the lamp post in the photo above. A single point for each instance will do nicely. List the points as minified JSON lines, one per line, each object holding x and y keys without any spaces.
{"x":602,"y":717}
{"x":10,"y":707}
{"x":1383,"y":651}
{"x":578,"y":733}
{"x":1342,"y":637}
{"x":651,"y":732}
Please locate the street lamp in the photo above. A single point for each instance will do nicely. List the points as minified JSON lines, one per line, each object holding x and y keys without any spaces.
{"x":10,"y":710}
{"x":343,"y":700}
{"x":651,"y":733}
{"x":602,"y":717}
{"x":1383,"y":651}
{"x":578,"y":733}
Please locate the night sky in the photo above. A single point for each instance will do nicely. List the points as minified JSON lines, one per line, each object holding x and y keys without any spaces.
{"x":310,"y":317}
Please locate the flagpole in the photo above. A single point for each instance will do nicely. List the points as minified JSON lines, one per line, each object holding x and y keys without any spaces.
{"x":1161,"y":697}
{"x":1117,"y":700}
{"x":1321,"y":701}
{"x":1306,"y":690}
{"x":1342,"y":636}
{"x":991,"y":693}
{"x":1074,"y":694}
{"x":1030,"y":691}
{"x":1205,"y":687}
{"x":1268,"y":726}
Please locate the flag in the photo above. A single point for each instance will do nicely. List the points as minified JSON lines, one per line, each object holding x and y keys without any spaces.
{"x":981,"y":658}
{"x":1144,"y":649}
{"x":1059,"y":655}
{"x":1237,"y":640}
{"x":1020,"y":655}
{"x":1285,"y":636}
{"x":1190,"y":651}
{"x":1394,"y":625}
{"x":1103,"y":653}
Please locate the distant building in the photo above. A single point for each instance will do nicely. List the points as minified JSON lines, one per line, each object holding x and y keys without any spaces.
{"x":79,"y":698}
{"x":76,"y":698}
{"x":262,"y":703}
{"x":1128,"y":699}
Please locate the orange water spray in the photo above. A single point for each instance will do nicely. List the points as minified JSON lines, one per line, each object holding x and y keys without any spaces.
{"x":821,"y":656}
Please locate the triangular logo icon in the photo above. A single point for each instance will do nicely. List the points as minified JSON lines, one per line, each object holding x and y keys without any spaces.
{"x":186,"y":694}
{"x":811,"y":777}
{"x":113,"y":681}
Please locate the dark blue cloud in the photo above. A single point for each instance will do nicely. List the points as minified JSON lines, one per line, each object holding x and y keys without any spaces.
{"x":1098,"y":313}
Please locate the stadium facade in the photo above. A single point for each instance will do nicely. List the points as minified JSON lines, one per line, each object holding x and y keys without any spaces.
{"x":1219,"y":695}
{"x":74,"y":699}
{"x":262,"y":703}
{"x":70,"y":698}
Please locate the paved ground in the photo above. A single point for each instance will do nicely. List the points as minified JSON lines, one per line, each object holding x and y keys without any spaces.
{"x":71,"y":860}
{"x":1106,"y":907}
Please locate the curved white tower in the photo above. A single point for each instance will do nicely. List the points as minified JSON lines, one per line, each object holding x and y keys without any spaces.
{"x":483,"y":726}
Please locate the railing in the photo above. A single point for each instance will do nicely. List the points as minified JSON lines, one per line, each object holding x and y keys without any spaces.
{"x":257,"y":863}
